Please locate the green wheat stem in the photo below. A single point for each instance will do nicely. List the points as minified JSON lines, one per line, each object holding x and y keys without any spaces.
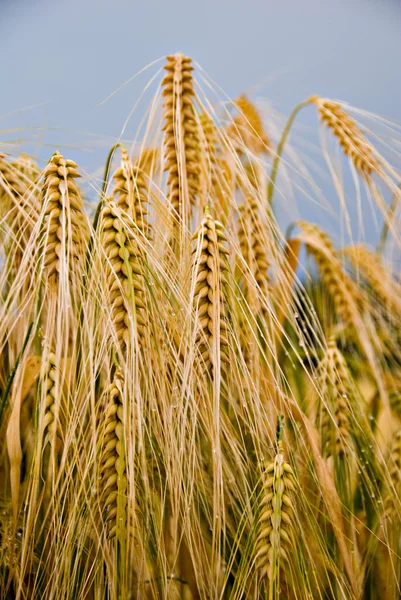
{"x":104,"y":184}
{"x":280,"y":147}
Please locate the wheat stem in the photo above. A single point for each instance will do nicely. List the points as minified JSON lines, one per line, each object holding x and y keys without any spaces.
{"x":280,"y":148}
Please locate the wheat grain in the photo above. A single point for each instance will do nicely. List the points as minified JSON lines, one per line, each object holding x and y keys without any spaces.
{"x":141,"y":474}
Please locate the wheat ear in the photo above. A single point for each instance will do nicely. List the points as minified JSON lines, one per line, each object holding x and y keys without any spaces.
{"x":65,"y":226}
{"x":19,"y":205}
{"x":368,"y":264}
{"x":209,"y":273}
{"x":181,"y":136}
{"x":253,"y":248}
{"x":335,"y":407}
{"x":392,"y":498}
{"x":51,"y":399}
{"x":351,"y":139}
{"x":247,"y":130}
{"x":112,"y":475}
{"x":339,"y":285}
{"x":11,"y":184}
{"x":275,"y":525}
{"x":130,"y":192}
{"x":124,"y":276}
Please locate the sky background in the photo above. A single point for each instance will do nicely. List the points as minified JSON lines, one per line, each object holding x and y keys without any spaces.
{"x":61,"y":59}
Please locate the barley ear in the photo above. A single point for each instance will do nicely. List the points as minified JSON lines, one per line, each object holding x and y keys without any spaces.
{"x":275,"y":525}
{"x":181,"y":139}
{"x":351,"y":139}
{"x":209,"y":280}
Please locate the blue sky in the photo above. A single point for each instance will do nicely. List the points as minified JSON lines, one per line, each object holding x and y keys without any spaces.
{"x":63,"y":58}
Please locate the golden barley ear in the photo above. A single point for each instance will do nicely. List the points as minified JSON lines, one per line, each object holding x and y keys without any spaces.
{"x":209,"y":277}
{"x":247,"y":130}
{"x":52,"y":398}
{"x":252,"y":239}
{"x":181,"y":136}
{"x":339,"y":285}
{"x":11,"y":184}
{"x":130,"y":191}
{"x":28,"y":168}
{"x":147,"y":161}
{"x":275,"y":524}
{"x":112,"y":483}
{"x":392,"y":496}
{"x":65,"y":227}
{"x":368,"y":265}
{"x":123,"y":276}
{"x":19,"y":205}
{"x":335,"y":408}
{"x":351,"y":139}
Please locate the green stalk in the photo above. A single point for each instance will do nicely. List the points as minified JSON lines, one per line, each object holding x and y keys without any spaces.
{"x":280,"y":147}
{"x":105,"y":183}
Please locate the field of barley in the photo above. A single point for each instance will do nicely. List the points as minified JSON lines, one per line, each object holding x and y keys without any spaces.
{"x":194,"y":402}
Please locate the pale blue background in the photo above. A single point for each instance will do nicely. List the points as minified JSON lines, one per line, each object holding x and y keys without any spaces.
{"x":63,"y":58}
